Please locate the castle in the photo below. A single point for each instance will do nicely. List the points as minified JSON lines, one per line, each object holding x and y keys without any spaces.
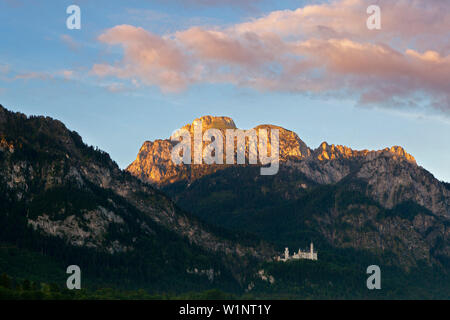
{"x":311,"y":255}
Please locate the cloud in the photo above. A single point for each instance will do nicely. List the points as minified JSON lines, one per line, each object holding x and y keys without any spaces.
{"x":319,"y":49}
{"x":33,"y":75}
{"x":64,"y":74}
{"x":154,"y":60}
{"x":4,"y":68}
{"x":14,"y":3}
{"x":347,"y":18}
{"x":67,"y":74}
{"x":116,"y":87}
{"x":70,"y":42}
{"x":378,"y":72}
{"x":238,"y":4}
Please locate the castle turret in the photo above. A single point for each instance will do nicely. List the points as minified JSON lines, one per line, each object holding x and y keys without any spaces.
{"x":286,"y":253}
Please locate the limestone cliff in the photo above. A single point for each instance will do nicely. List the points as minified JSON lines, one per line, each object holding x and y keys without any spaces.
{"x":154,"y":165}
{"x":392,"y":174}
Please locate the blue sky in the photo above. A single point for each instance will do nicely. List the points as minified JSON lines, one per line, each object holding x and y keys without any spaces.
{"x":47,"y":69}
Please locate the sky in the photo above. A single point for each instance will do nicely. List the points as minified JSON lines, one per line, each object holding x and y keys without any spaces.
{"x":139,"y":69}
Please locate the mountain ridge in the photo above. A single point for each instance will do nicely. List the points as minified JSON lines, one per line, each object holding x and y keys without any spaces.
{"x":291,"y":148}
{"x":327,"y":164}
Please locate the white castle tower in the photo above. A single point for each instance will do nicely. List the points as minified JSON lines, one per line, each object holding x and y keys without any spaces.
{"x":286,"y":254}
{"x":311,"y":255}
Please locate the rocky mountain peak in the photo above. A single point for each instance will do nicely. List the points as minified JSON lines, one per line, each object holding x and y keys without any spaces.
{"x":399,"y":153}
{"x":331,"y":152}
{"x":153,"y":163}
{"x":211,"y":122}
{"x":291,"y":146}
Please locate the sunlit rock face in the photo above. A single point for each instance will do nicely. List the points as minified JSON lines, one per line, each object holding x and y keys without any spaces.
{"x":210,"y":122}
{"x":291,"y":146}
{"x":331,"y":152}
{"x":153,"y":162}
{"x":392,"y":175}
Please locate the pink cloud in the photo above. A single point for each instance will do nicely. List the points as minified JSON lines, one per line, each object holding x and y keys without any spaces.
{"x":4,"y":68}
{"x":379,"y":71}
{"x":33,"y":75}
{"x":64,"y":74}
{"x":70,"y":42}
{"x":240,"y":4}
{"x":245,"y":50}
{"x":67,"y":74}
{"x":405,"y":19}
{"x":323,"y":48}
{"x":156,"y":61}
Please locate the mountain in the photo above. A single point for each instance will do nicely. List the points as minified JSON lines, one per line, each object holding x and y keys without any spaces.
{"x":392,"y":175}
{"x":185,"y":229}
{"x":350,"y":203}
{"x":66,"y":203}
{"x":153,"y":163}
